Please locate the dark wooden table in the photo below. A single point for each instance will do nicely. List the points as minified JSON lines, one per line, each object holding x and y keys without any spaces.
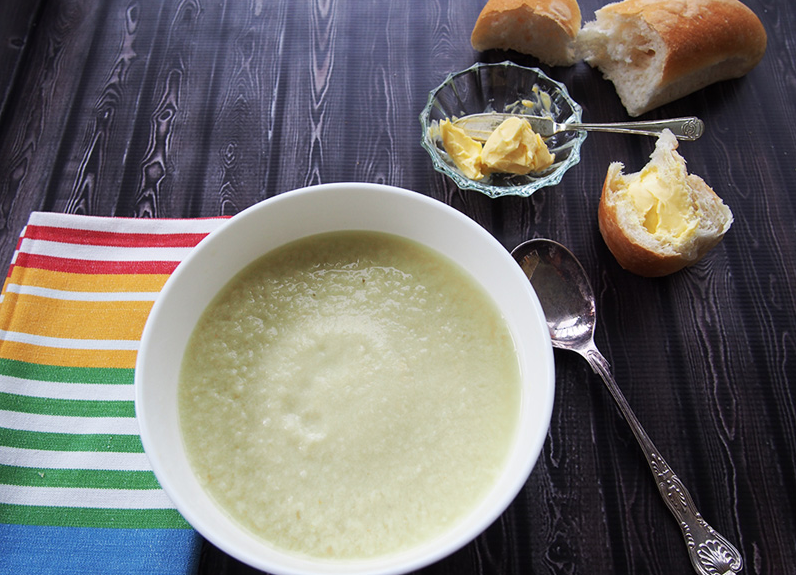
{"x":198,"y":108}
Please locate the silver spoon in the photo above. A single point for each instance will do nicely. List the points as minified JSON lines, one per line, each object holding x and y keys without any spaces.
{"x":568,"y":303}
{"x":480,"y":126}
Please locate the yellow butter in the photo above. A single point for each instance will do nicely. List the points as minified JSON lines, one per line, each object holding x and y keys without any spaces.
{"x":544,"y":99}
{"x":663,"y":202}
{"x":514,"y":148}
{"x":465,"y":152}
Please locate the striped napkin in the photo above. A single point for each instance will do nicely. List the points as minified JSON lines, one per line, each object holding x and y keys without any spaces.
{"x":77,"y":494}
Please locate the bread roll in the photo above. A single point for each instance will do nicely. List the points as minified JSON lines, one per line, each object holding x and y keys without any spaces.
{"x":545,"y":29}
{"x":661,"y":219}
{"x":656,"y":51}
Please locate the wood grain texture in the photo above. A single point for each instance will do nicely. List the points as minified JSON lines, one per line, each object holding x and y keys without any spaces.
{"x":195,"y":108}
{"x":16,"y":30}
{"x":90,"y":170}
{"x":35,"y":117}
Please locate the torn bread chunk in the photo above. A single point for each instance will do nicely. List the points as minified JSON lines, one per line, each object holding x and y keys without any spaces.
{"x":545,"y":29}
{"x":661,"y":219}
{"x":656,"y":51}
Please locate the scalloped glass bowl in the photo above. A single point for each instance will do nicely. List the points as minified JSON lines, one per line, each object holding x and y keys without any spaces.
{"x":500,"y":88}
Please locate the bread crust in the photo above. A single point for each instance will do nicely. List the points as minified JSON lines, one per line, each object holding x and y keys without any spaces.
{"x":700,"y":33}
{"x":542,"y":28}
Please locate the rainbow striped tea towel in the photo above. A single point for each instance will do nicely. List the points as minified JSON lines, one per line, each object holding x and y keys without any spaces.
{"x":77,"y":494}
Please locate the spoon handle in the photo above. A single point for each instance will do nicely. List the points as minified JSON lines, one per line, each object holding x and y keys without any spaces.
{"x":710,"y":552}
{"x":689,"y":128}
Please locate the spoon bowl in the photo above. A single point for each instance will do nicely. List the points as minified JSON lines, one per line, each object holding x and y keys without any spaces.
{"x":564,"y":291}
{"x":569,"y":307}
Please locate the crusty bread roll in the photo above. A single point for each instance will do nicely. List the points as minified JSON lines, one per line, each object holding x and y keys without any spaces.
{"x":545,"y":29}
{"x":661,"y":219}
{"x":656,"y":51}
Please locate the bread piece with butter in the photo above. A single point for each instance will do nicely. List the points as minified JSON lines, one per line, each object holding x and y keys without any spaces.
{"x":545,"y":29}
{"x":656,"y":51}
{"x":661,"y":219}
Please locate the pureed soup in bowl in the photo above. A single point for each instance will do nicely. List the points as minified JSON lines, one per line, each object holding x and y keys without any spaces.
{"x":349,"y":395}
{"x":346,"y":378}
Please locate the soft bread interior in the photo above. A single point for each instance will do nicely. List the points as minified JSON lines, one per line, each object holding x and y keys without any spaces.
{"x":633,"y":208}
{"x":629,"y":53}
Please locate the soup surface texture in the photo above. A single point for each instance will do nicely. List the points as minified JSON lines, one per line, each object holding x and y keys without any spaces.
{"x":349,"y":395}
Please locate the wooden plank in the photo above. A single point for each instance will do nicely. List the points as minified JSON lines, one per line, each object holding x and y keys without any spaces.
{"x":35,"y":119}
{"x":169,"y":144}
{"x":91,"y":164}
{"x":17,"y":27}
{"x":247,"y":118}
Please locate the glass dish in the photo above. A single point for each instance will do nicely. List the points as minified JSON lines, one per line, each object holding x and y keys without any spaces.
{"x":502,"y":88}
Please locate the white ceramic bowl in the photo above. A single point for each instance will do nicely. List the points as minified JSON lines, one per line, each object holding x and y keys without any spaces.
{"x":285,"y":218}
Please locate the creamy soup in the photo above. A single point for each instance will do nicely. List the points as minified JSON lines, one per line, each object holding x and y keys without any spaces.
{"x":349,"y":395}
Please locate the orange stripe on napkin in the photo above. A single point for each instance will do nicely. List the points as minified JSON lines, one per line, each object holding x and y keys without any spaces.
{"x":87,"y":282}
{"x":48,"y":317}
{"x":28,"y":353}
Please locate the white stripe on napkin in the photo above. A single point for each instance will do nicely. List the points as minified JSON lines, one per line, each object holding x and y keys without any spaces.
{"x":85,"y":497}
{"x":62,"y":390}
{"x":41,"y":459}
{"x":124,"y":225}
{"x":69,"y":424}
{"x":80,"y":295}
{"x":102,"y":253}
{"x":71,"y":343}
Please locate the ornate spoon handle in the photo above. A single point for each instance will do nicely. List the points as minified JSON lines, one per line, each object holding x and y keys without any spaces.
{"x":710,"y":552}
{"x":689,"y":128}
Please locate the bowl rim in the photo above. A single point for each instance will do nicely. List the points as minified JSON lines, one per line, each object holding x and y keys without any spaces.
{"x":524,"y":190}
{"x":153,"y":337}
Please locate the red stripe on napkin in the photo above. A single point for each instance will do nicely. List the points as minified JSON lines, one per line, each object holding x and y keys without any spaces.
{"x":58,"y":264}
{"x":113,"y":239}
